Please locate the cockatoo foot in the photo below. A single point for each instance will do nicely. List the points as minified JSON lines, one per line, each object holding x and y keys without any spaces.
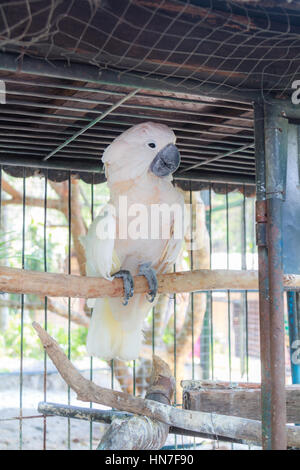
{"x":150,"y":275}
{"x":128,"y":284}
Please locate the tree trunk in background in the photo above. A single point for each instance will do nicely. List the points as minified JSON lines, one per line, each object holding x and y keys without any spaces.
{"x":193,"y":321}
{"x":4,"y":310}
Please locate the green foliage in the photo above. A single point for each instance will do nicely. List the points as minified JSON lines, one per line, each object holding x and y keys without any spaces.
{"x":168,"y":336}
{"x":98,"y":193}
{"x":77,"y":340}
{"x":10,"y":340}
{"x":35,"y":255}
{"x":5,"y":245}
{"x":34,"y":252}
{"x":235,"y":223}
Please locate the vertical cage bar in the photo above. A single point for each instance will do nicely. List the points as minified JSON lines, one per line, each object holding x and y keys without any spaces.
{"x":175,"y":344}
{"x":175,"y":355}
{"x":45,"y":309}
{"x":134,"y":376}
{"x":263,"y":275}
{"x":22,"y":313}
{"x":91,"y":358}
{"x":276,"y":153}
{"x":210,"y":293}
{"x":0,"y":196}
{"x":112,"y":367}
{"x":245,"y":293}
{"x":205,"y":333}
{"x":192,"y":294}
{"x":153,"y":331}
{"x":228,"y":292}
{"x":69,"y":299}
{"x":277,"y":343}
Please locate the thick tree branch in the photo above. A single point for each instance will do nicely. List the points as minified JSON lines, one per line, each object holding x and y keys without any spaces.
{"x":210,"y":423}
{"x":78,"y":226}
{"x":21,"y":281}
{"x":17,"y":198}
{"x":140,"y":432}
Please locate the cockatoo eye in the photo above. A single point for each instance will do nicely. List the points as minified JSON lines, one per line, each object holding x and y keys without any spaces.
{"x":152,"y":145}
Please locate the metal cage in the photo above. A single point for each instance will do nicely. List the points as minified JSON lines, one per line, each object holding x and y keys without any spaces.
{"x":223,"y":76}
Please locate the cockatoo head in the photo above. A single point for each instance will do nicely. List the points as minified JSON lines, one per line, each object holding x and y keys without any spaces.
{"x":147,"y":147}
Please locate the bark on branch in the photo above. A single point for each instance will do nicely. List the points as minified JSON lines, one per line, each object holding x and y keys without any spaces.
{"x":140,"y":432}
{"x":63,"y":285}
{"x":210,"y":423}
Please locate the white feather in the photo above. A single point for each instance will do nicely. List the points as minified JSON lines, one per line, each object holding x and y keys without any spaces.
{"x":116,"y":330}
{"x":99,"y":244}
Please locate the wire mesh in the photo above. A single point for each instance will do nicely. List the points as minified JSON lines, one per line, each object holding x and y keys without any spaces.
{"x":162,"y":61}
{"x":63,"y":117}
{"x":227,"y":46}
{"x":219,"y":341}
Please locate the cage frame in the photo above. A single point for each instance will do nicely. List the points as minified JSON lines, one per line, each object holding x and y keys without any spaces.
{"x":270,"y":117}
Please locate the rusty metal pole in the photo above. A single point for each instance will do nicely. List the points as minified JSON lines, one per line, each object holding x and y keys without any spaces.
{"x":263,"y":276}
{"x":276,"y":158}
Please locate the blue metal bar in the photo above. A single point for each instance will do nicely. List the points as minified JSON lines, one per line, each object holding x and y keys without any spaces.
{"x":293,"y":313}
{"x":276,"y":158}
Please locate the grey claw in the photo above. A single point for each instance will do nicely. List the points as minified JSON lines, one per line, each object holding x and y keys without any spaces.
{"x":128,"y":284}
{"x":150,"y":275}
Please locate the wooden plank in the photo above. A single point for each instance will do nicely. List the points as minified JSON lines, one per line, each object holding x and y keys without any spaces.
{"x":235,"y":399}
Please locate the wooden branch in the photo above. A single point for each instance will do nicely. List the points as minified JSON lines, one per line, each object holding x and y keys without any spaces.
{"x":33,"y":202}
{"x":17,"y":198}
{"x":78,"y":227}
{"x":53,"y":307}
{"x":140,"y":432}
{"x":63,"y":285}
{"x":241,"y":400}
{"x":9,"y":189}
{"x":62,"y":311}
{"x":209,"y":423}
{"x":106,"y":416}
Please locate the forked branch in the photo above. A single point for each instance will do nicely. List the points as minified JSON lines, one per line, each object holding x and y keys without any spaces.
{"x":209,"y":423}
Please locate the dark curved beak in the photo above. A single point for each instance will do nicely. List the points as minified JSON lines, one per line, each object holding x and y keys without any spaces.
{"x":166,"y":161}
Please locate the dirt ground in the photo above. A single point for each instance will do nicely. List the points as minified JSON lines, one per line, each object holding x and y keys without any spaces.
{"x":60,"y":433}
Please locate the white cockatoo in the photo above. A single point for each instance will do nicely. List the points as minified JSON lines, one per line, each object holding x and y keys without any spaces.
{"x":128,"y":239}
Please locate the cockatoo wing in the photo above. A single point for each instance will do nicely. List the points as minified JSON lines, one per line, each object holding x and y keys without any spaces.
{"x":101,"y":258}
